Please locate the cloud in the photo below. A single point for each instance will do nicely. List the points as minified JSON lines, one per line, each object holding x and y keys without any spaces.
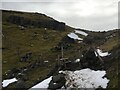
{"x":87,"y":14}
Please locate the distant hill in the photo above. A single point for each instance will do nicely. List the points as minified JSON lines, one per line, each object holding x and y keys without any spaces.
{"x":32,"y":20}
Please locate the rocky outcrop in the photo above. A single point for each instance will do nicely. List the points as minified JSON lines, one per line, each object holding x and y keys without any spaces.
{"x":65,"y":42}
{"x":90,"y":60}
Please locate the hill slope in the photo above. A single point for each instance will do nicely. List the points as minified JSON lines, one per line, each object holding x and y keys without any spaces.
{"x":32,"y":43}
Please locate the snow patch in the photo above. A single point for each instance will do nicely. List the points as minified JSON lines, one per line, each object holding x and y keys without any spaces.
{"x":5,"y":83}
{"x":74,"y":36}
{"x":77,"y":60}
{"x":81,"y":32}
{"x":101,"y":53}
{"x":86,"y":78}
{"x":79,"y":41}
{"x":43,"y":84}
{"x":46,"y":61}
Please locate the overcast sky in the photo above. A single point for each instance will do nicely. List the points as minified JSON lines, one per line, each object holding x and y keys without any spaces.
{"x":87,"y":14}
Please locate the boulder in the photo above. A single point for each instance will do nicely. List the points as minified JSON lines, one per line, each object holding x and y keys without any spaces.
{"x":90,"y":60}
{"x":57,"y":82}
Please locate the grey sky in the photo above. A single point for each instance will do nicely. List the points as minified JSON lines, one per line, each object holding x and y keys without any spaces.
{"x":86,"y":14}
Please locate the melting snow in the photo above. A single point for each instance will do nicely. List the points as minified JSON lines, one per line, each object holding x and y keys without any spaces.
{"x":46,"y":61}
{"x":81,"y":32}
{"x":5,"y":83}
{"x":101,"y":53}
{"x":77,"y":60}
{"x":43,"y":84}
{"x":86,"y":78}
{"x":74,"y":36}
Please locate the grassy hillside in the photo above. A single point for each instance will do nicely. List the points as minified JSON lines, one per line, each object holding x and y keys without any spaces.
{"x":41,"y":43}
{"x":34,"y":40}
